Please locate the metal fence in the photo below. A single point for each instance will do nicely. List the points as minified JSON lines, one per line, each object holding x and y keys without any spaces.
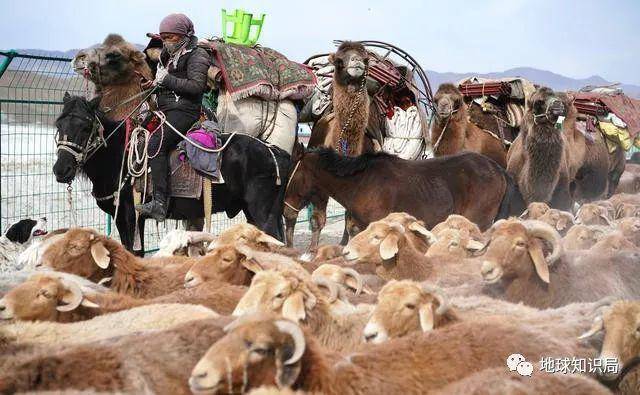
{"x":31,"y":90}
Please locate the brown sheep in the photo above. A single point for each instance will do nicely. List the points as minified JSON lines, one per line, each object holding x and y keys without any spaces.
{"x":621,"y":341}
{"x":629,"y":182}
{"x":630,"y":228}
{"x":498,"y":381}
{"x":535,"y":210}
{"x":593,"y":214}
{"x":459,"y":222}
{"x":516,"y":268}
{"x":417,"y":233}
{"x":627,"y":210}
{"x":538,"y":158}
{"x":345,"y":276}
{"x":86,"y":253}
{"x":47,"y":297}
{"x":562,"y":221}
{"x":613,"y":242}
{"x":299,"y":299}
{"x":155,"y":362}
{"x":453,"y":131}
{"x":454,"y":243}
{"x":386,"y":246}
{"x":405,"y":307}
{"x":235,"y":264}
{"x":582,"y":237}
{"x":253,"y":237}
{"x":617,"y":199}
{"x":258,"y":351}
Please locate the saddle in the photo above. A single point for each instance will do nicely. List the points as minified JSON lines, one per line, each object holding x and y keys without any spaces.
{"x":184,"y":181}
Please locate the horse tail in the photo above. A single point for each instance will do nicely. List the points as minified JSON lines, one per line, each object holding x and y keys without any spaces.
{"x":512,"y":202}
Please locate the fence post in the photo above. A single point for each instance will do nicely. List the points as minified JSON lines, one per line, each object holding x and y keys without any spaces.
{"x":108,"y":225}
{"x":5,"y":63}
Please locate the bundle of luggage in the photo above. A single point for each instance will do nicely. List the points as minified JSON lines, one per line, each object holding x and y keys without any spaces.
{"x":614,"y":113}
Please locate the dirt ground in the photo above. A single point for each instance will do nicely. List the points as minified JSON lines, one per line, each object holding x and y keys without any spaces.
{"x":331,"y":234}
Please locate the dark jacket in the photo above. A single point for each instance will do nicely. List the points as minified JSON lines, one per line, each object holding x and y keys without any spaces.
{"x":188,"y":80}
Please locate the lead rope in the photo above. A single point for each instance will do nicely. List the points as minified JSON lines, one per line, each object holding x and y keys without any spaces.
{"x":74,"y":218}
{"x":342,"y":143}
{"x":435,"y":147}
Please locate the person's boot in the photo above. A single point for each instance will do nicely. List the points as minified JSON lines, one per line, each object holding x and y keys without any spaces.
{"x":156,"y":208}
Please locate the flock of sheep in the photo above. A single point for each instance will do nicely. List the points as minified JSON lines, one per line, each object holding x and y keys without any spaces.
{"x":400,"y":309}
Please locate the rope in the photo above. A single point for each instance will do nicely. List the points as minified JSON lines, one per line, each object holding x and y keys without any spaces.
{"x":74,"y":218}
{"x":435,"y":147}
{"x":342,"y":144}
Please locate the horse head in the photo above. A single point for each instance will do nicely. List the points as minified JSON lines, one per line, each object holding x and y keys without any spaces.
{"x":76,"y":127}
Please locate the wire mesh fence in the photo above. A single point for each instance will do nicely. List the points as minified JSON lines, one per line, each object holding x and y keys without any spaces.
{"x":31,"y":91}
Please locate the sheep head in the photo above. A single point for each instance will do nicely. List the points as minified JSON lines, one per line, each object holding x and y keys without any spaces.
{"x":404,"y":307}
{"x":582,"y":237}
{"x":379,"y":243}
{"x":621,"y":326}
{"x":455,"y":243}
{"x":593,"y":214}
{"x":41,"y":298}
{"x":412,"y":226}
{"x":283,"y":292}
{"x":256,"y":350}
{"x":345,"y":276}
{"x":226,"y":263}
{"x":562,"y":221}
{"x":627,"y":210}
{"x":79,"y":251}
{"x":458,"y":222}
{"x":248,"y":234}
{"x":630,"y":227}
{"x":535,"y":210}
{"x":517,"y":250}
{"x":613,"y":242}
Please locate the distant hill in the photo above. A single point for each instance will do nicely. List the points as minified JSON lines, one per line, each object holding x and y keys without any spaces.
{"x":541,"y":77}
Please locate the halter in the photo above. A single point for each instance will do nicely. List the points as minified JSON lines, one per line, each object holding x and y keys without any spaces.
{"x":95,"y":141}
{"x":545,"y":114}
{"x":297,"y":210}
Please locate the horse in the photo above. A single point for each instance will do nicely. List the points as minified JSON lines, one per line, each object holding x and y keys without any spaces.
{"x":249,"y":168}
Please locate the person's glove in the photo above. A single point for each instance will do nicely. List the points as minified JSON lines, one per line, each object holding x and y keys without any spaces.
{"x":161,"y":73}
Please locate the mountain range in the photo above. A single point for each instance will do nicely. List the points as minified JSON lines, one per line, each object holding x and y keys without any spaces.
{"x":541,"y":77}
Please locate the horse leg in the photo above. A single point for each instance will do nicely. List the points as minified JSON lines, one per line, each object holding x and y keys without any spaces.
{"x":350,"y":228}
{"x":290,"y":217}
{"x":318,"y":220}
{"x":126,"y":224}
{"x":195,"y":224}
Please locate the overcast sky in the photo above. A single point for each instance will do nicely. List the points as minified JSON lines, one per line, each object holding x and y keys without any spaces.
{"x":574,"y":38}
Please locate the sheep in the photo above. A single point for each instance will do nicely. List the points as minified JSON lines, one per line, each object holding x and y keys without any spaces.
{"x":515,"y":268}
{"x":629,"y":183}
{"x":456,"y":243}
{"x":157,"y":362}
{"x":158,"y":316}
{"x":621,"y":342}
{"x":49,"y":296}
{"x":299,"y":299}
{"x":630,"y":228}
{"x":218,"y":296}
{"x":184,"y":243}
{"x":562,"y":221}
{"x":253,"y":237}
{"x":619,"y":198}
{"x":235,"y":264}
{"x":344,"y":276}
{"x":535,"y":210}
{"x":498,"y":381}
{"x":582,"y":237}
{"x":417,"y":235}
{"x":593,"y":214}
{"x":459,"y":222}
{"x":385,"y":245}
{"x":88,"y":254}
{"x":627,"y":210}
{"x":265,"y":350}
{"x":406,"y":306}
{"x":613,"y":242}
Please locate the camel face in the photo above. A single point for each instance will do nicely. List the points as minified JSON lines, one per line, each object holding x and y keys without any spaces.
{"x":350,"y":62}
{"x":448,"y":99}
{"x":114,"y":62}
{"x":545,"y":106}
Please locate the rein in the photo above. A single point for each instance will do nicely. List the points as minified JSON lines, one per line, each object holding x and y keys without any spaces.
{"x":297,"y":210}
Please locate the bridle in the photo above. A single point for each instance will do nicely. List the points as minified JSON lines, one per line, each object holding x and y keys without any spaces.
{"x":545,"y":114}
{"x":295,"y":168}
{"x":82,"y":153}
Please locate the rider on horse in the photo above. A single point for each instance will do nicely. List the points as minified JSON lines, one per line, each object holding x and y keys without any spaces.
{"x":181,"y":80}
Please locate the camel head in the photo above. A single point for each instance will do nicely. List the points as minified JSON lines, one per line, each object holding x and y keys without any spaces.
{"x":545,"y":106}
{"x":350,"y":61}
{"x":113,"y":62}
{"x":448,"y":100}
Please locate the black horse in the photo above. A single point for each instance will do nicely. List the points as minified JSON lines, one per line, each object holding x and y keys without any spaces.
{"x":247,"y":167}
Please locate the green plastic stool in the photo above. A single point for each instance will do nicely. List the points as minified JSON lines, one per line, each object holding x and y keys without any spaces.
{"x":242,"y":33}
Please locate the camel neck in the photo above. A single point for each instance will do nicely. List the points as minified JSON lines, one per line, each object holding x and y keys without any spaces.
{"x":454,"y":128}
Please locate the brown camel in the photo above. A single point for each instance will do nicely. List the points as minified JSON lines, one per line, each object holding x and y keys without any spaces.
{"x":539,"y":157}
{"x":116,"y":67}
{"x":453,"y":131}
{"x":343,"y":129}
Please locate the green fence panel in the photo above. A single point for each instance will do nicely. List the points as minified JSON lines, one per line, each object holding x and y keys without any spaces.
{"x":31,"y":91}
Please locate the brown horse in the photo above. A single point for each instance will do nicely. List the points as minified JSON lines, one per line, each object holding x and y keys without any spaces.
{"x":373,"y":185}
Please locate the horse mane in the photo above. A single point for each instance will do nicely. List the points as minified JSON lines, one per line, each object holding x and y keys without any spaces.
{"x":343,"y":166}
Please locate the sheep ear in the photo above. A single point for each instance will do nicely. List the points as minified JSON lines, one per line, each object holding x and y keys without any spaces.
{"x":524,"y":214}
{"x":604,"y":216}
{"x":265,"y":238}
{"x":416,"y":227}
{"x":252,"y":265}
{"x":100,"y":254}
{"x":389,"y":246}
{"x":474,"y":245}
{"x":540,"y":263}
{"x":286,"y":375}
{"x":293,"y":307}
{"x":427,"y":319}
{"x":561,"y":224}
